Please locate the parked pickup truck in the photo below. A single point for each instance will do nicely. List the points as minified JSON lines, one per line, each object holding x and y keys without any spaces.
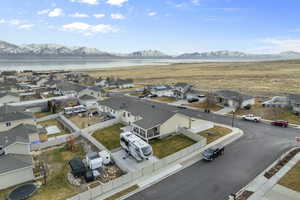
{"x":212,"y":153}
{"x":251,"y":117}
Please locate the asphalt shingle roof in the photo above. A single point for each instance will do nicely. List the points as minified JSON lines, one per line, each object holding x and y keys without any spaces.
{"x":233,"y":95}
{"x":87,"y":97}
{"x":12,"y":113}
{"x":152,"y":114}
{"x":294,"y":98}
{"x":11,"y":162}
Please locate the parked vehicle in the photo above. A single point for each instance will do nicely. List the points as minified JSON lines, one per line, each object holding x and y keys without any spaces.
{"x":143,"y":96}
{"x":212,"y":153}
{"x":192,"y":100}
{"x":135,"y":146}
{"x":75,"y":109}
{"x":153,"y":95}
{"x":281,"y":123}
{"x":181,"y":107}
{"x":251,"y":117}
{"x":77,"y":167}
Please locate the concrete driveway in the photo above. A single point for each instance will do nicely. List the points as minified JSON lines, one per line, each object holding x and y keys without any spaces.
{"x":261,"y":145}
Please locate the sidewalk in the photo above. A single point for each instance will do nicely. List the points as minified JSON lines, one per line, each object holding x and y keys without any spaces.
{"x":268,"y":189}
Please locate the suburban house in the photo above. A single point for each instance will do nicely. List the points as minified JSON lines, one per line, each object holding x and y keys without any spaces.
{"x":94,"y":91}
{"x":16,"y":162}
{"x":147,"y":119}
{"x":161,"y":90}
{"x":101,"y":82}
{"x":181,"y":90}
{"x":124,"y":83}
{"x":11,"y":116}
{"x":88,"y":100}
{"x":9,"y":97}
{"x":233,"y":99}
{"x":68,"y":89}
{"x":294,"y":100}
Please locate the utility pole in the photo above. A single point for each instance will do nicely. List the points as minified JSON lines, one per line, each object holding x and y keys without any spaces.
{"x":233,"y":115}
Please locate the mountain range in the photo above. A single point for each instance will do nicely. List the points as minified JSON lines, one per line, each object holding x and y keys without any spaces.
{"x":8,"y":50}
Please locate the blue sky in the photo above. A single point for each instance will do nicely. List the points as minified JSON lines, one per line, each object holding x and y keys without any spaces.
{"x":172,"y":26}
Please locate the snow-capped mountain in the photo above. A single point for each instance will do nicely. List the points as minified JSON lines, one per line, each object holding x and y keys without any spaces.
{"x":147,"y":54}
{"x":214,"y":54}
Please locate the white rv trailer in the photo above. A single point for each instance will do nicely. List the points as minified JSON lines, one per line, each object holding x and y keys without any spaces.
{"x":135,"y":146}
{"x":75,"y":109}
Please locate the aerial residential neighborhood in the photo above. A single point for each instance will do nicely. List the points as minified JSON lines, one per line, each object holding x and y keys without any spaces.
{"x":149,"y":100}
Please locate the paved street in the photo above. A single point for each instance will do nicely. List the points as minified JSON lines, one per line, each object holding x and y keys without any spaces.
{"x":261,"y":145}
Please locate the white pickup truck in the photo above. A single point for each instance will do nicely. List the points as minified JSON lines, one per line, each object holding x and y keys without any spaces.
{"x":251,"y":117}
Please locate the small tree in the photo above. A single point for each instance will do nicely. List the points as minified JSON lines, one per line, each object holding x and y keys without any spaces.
{"x":210,"y":100}
{"x":71,"y":142}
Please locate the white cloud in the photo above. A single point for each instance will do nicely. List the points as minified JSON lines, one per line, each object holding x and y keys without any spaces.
{"x":43,"y":12}
{"x":87,"y":29}
{"x":2,"y":21}
{"x":26,"y":26}
{"x":116,"y":2}
{"x":117,"y":16}
{"x":56,"y":12}
{"x":79,"y":15}
{"x":99,"y":15}
{"x":91,"y":2}
{"x":195,"y":2}
{"x":15,"y":22}
{"x":279,"y":45}
{"x":151,"y":14}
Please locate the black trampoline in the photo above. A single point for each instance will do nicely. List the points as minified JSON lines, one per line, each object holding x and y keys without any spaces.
{"x":22,"y":192}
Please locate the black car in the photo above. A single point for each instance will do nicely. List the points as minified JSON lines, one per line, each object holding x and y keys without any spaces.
{"x":192,"y":100}
{"x":153,"y":95}
{"x":212,"y":153}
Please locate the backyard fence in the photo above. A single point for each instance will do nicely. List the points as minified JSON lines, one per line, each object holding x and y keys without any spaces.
{"x":130,"y":177}
{"x":101,"y":125}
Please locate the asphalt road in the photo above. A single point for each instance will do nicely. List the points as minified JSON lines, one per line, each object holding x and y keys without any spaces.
{"x":261,"y":145}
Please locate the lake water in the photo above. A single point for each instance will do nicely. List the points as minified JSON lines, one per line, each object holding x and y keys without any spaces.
{"x":68,"y":64}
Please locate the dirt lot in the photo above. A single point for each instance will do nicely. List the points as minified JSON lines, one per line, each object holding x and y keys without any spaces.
{"x":259,"y":78}
{"x":63,"y":130}
{"x":83,"y":120}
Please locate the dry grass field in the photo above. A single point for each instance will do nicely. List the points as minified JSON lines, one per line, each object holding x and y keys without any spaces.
{"x":258,"y":78}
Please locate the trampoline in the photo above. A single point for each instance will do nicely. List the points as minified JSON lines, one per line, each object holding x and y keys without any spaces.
{"x":22,"y":192}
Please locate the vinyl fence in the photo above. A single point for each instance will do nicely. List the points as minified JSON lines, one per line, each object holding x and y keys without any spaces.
{"x":101,"y":125}
{"x":130,"y":177}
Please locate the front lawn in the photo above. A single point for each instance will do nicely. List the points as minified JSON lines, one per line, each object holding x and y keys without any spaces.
{"x":165,"y":99}
{"x":291,"y":179}
{"x":167,"y":146}
{"x":109,"y":137}
{"x":58,"y":187}
{"x":63,"y":130}
{"x":215,"y":133}
{"x":204,"y":105}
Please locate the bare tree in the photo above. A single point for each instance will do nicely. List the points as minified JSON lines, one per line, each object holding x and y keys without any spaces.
{"x":210,"y":100}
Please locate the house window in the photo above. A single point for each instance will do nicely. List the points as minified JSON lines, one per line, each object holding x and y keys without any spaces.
{"x":128,"y":114}
{"x":124,"y":114}
{"x":8,"y":124}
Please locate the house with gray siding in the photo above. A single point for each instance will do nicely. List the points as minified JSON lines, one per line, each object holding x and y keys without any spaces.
{"x":294,"y":100}
{"x":233,"y":99}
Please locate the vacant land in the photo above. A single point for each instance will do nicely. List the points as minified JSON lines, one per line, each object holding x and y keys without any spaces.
{"x":292,"y":178}
{"x":167,"y":146}
{"x":271,"y":113}
{"x":85,"y":121}
{"x":259,"y":78}
{"x":58,"y":187}
{"x":109,"y":137}
{"x":122,"y":193}
{"x":215,"y":133}
{"x":62,"y":128}
{"x":42,"y":114}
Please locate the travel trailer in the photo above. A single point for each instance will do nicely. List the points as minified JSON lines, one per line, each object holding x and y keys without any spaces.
{"x":75,"y":109}
{"x":135,"y":146}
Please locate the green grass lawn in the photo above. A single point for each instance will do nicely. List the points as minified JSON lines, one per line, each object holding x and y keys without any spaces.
{"x":109,"y":137}
{"x":58,"y":187}
{"x":54,"y":122}
{"x":122,"y":193}
{"x":167,"y":146}
{"x":219,"y":132}
{"x":292,"y":178}
{"x":165,"y":99}
{"x":42,"y":114}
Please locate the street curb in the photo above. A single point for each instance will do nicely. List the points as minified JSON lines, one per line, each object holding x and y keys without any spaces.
{"x":235,"y":135}
{"x":265,"y":170}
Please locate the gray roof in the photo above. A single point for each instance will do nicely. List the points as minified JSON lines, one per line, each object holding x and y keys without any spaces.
{"x":87,"y":97}
{"x":295,"y":98}
{"x":96,"y":89}
{"x":19,"y":133}
{"x":67,"y":86}
{"x":3,"y":94}
{"x":11,"y":162}
{"x":232,"y":95}
{"x":151,"y":113}
{"x":181,"y":84}
{"x":161,"y":87}
{"x":12,"y":113}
